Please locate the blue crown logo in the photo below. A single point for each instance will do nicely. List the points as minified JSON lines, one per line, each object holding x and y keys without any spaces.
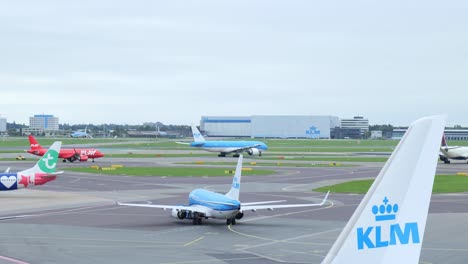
{"x":385,"y":211}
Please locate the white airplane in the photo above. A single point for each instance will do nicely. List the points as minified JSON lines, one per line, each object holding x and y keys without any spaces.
{"x":226,"y":146}
{"x":41,"y":173}
{"x":454,"y":152}
{"x":207,"y":204}
{"x":388,"y":225}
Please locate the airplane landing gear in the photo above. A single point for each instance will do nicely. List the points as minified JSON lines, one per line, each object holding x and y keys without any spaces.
{"x":230,"y":221}
{"x":197,"y":219}
{"x":222,"y":154}
{"x":235,"y":155}
{"x":447,"y":161}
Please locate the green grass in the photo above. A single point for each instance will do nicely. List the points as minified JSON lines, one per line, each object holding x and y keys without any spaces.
{"x":332,"y":149}
{"x":14,"y":159}
{"x":24,"y":142}
{"x":170,"y":171}
{"x":442,"y":184}
{"x":271,"y":164}
{"x":148,"y":155}
{"x":332,"y":159}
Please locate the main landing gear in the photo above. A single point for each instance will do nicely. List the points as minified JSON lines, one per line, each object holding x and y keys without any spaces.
{"x":197,"y":219}
{"x":222,"y":154}
{"x":231,"y":221}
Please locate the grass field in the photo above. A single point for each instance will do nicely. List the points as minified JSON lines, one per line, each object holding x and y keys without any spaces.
{"x":271,"y":164}
{"x":170,"y":171}
{"x":333,"y":159}
{"x":169,"y":155}
{"x":442,"y":184}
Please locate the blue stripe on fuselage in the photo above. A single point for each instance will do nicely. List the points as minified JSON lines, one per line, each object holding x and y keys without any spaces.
{"x":229,"y":144}
{"x":204,"y":197}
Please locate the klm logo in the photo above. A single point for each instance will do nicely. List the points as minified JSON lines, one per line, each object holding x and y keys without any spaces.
{"x":235,"y":184}
{"x":313,"y":132}
{"x":383,"y":235}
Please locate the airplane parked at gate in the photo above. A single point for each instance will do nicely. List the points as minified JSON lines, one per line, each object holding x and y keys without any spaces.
{"x":453,"y":152}
{"x":388,"y":225}
{"x":81,"y":134}
{"x":207,"y":204}
{"x":41,"y":173}
{"x":226,"y":147}
{"x":71,"y":155}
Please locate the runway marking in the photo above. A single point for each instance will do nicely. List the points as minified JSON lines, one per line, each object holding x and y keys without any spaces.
{"x":194,"y":241}
{"x":213,"y":260}
{"x":75,"y":180}
{"x":91,"y":240}
{"x":291,"y":213}
{"x":13,"y":260}
{"x":305,"y":253}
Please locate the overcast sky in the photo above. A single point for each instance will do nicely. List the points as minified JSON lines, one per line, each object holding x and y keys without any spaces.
{"x":173,"y":61}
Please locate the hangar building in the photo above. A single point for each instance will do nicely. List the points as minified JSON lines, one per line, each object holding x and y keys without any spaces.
{"x":269,"y":126}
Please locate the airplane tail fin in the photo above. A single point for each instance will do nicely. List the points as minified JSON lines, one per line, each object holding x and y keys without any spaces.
{"x":48,"y":162}
{"x":388,"y":225}
{"x":234,"y":191}
{"x":33,"y":143}
{"x":197,"y":136}
{"x":444,"y":141}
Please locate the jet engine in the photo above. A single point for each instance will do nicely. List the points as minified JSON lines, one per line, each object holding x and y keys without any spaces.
{"x":239,"y":215}
{"x":254,"y":151}
{"x":178,"y":214}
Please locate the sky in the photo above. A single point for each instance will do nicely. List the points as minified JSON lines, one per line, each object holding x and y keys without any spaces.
{"x":129,"y":62}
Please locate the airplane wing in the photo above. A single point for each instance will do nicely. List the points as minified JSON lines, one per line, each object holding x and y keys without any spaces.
{"x":255,"y":206}
{"x":198,"y":209}
{"x":182,"y":143}
{"x":66,"y":156}
{"x":266,"y":202}
{"x":240,"y":149}
{"x":51,"y":174}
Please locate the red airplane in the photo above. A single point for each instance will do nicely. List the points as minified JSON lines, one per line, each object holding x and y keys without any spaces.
{"x":66,"y":154}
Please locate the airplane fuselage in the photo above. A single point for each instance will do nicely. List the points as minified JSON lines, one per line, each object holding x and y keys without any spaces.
{"x":14,"y":181}
{"x":70,"y":153}
{"x":457,"y":153}
{"x":216,"y":205}
{"x":228,"y":146}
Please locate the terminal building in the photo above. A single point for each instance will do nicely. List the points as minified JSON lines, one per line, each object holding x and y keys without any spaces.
{"x":42,"y":124}
{"x":269,"y":126}
{"x":450,"y":133}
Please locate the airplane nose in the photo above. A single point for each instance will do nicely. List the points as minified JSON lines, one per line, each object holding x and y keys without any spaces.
{"x":99,"y":154}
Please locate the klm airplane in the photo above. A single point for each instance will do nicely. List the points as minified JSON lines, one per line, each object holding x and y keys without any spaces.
{"x":226,"y":147}
{"x":81,"y":134}
{"x":207,"y":204}
{"x":41,"y":173}
{"x":388,"y":225}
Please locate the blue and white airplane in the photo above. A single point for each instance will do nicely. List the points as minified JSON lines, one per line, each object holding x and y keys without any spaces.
{"x":207,"y":204}
{"x":388,"y":225}
{"x":41,"y":173}
{"x":226,"y":147}
{"x":81,"y":134}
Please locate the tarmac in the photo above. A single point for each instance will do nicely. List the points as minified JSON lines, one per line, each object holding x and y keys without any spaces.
{"x":74,"y":219}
